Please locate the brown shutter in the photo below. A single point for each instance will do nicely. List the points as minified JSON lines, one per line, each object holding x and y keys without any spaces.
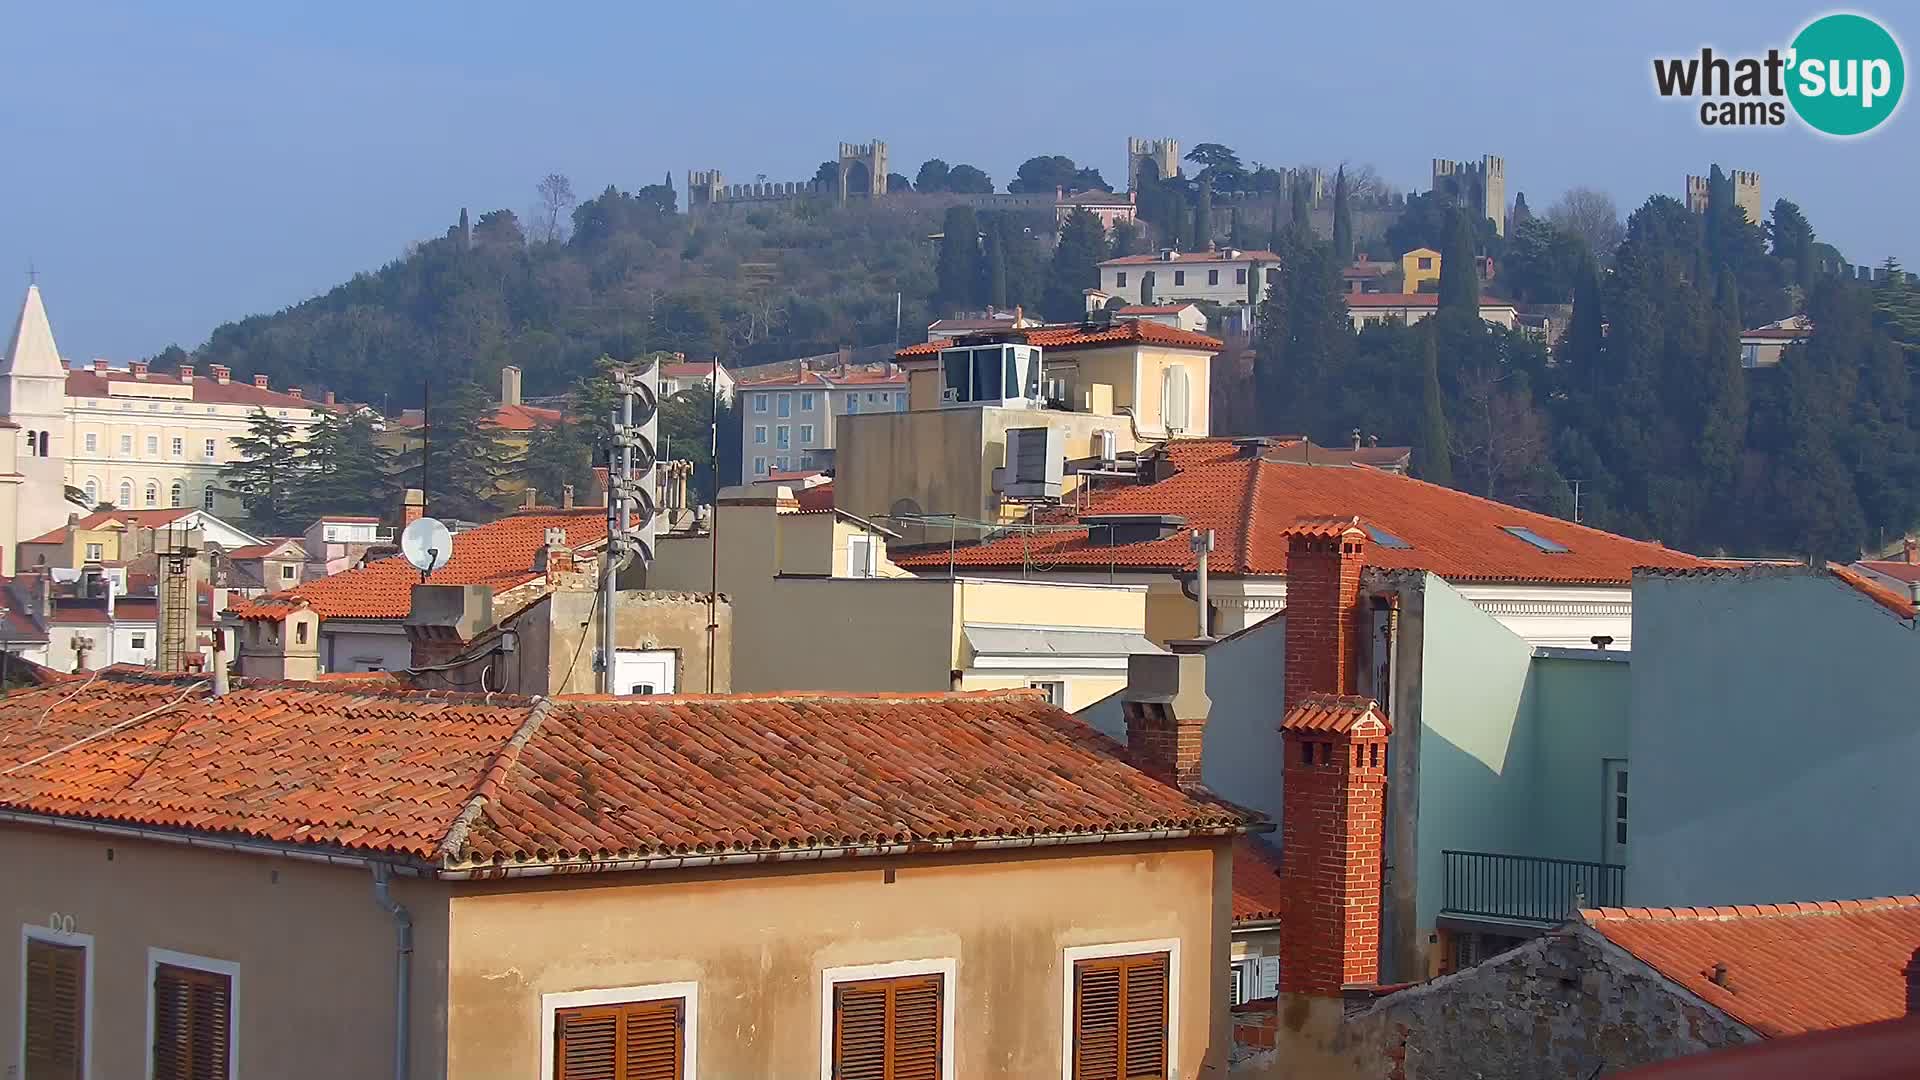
{"x":1120,"y":1018}
{"x":639,"y":1041}
{"x":192,"y":1023}
{"x":56,"y":1010}
{"x":888,"y":1029}
{"x":1144,"y":1044}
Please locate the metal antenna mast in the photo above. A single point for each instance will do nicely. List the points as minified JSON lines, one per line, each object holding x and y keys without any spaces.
{"x":631,"y":501}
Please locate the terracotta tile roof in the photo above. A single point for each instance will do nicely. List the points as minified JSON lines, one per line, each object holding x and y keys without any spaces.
{"x":1776,"y":333}
{"x":1079,"y":336}
{"x":260,"y":551}
{"x":1095,"y":198}
{"x":1257,"y":895}
{"x":816,"y":498}
{"x":688,"y":369}
{"x":1893,"y":568}
{"x":1790,"y":968}
{"x":1893,"y":600}
{"x":206,"y":389}
{"x":505,"y":418}
{"x":498,"y":554}
{"x":1251,"y":502}
{"x":1335,"y":714}
{"x":1395,"y":300}
{"x":1221,"y":255}
{"x":146,"y":519}
{"x":456,"y":782}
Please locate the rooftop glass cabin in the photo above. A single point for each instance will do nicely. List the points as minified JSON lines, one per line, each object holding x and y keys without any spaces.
{"x":999,"y":374}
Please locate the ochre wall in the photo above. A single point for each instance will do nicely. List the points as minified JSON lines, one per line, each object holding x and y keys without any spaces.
{"x":756,"y":942}
{"x":316,"y":956}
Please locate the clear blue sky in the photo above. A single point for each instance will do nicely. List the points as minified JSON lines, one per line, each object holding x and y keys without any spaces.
{"x":171,"y":167}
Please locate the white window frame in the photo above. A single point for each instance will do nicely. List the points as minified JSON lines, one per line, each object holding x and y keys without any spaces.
{"x":759,"y":434}
{"x":1075,"y":953}
{"x":783,"y":437}
{"x":30,"y":932}
{"x":126,"y":445}
{"x":806,"y":434}
{"x":208,"y":451}
{"x":206,"y":499}
{"x":179,"y":446}
{"x":1056,"y":690}
{"x":866,"y":567}
{"x":153,"y":446}
{"x":96,"y":552}
{"x":229,"y":968}
{"x":944,"y":966}
{"x":783,"y":407}
{"x":806,"y":401}
{"x":93,"y":492}
{"x":92,"y":442}
{"x":759,"y":466}
{"x":687,"y":992}
{"x":760,"y":402}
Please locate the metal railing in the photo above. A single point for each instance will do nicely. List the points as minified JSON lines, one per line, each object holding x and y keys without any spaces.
{"x":1524,"y":888}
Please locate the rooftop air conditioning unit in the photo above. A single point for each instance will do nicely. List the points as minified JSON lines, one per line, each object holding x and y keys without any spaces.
{"x":1106,"y":447}
{"x":1035,"y":464}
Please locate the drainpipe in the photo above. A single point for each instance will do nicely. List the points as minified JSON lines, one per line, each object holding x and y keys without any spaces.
{"x":402,"y":967}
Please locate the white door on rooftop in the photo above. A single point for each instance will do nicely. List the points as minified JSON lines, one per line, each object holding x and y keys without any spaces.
{"x":644,"y":671}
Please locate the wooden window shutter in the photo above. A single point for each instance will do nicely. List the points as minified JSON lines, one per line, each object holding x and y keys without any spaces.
{"x":56,"y":1010}
{"x":1120,"y":1018}
{"x":192,"y":1023}
{"x":644,"y":1040}
{"x":888,"y":1029}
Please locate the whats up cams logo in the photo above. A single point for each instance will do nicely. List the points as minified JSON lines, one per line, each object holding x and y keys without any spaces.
{"x":1842,"y":75}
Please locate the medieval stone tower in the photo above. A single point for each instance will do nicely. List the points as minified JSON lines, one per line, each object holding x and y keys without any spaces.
{"x":873,"y":157}
{"x":1477,"y":185}
{"x":1746,"y":193}
{"x":1164,"y":153}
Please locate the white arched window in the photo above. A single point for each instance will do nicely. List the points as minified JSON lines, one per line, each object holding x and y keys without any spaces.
{"x":153,"y":494}
{"x":206,"y":500}
{"x":177,"y":495}
{"x":126,"y":495}
{"x":1173,"y":400}
{"x":93,"y":493}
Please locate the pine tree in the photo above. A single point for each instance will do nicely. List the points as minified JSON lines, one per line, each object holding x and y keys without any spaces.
{"x":1075,"y":267}
{"x":1342,"y":219}
{"x":461,"y":465}
{"x":1433,"y":460}
{"x":266,"y":474}
{"x":561,"y":455}
{"x":996,"y":263}
{"x":345,"y":469}
{"x":1459,"y":272}
{"x":958,"y":270}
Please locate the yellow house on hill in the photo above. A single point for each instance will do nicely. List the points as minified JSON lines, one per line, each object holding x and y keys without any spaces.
{"x":1419,"y":267}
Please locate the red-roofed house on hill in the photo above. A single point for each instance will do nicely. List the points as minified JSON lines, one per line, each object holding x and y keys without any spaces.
{"x":1001,"y":421}
{"x":552,"y":878}
{"x":1220,"y":276}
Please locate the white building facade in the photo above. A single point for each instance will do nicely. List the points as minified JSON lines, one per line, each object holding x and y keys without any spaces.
{"x":1221,"y":276}
{"x":137,"y":439}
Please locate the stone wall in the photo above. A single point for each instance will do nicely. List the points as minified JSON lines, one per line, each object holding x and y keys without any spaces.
{"x":1563,"y":1005}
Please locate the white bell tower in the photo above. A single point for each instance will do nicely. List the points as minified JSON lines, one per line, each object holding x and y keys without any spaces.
{"x":33,"y":397}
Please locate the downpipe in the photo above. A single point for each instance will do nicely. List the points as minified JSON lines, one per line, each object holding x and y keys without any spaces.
{"x":402,"y":967}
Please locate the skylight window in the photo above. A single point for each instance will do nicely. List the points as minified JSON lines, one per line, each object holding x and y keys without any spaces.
{"x":1384,"y":538}
{"x":1551,"y":547}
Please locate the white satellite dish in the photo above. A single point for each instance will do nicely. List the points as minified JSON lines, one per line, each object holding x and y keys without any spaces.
{"x":427,"y":545}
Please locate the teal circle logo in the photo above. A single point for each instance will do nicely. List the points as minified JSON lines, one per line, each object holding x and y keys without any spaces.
{"x":1846,"y":76}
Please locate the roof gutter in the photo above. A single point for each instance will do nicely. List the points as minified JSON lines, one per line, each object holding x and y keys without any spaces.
{"x":751,"y":858}
{"x":195,"y":840}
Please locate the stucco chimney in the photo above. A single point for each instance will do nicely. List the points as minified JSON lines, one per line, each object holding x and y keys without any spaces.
{"x":294,"y":392}
{"x":529,"y":499}
{"x":1910,"y":549}
{"x":138,"y":368}
{"x":1332,"y":809}
{"x":99,"y":366}
{"x":554,"y":557}
{"x":413,"y":507}
{"x":1166,"y":705}
{"x":260,"y":381}
{"x":1323,"y":610}
{"x":222,"y":374}
{"x":566,"y":496}
{"x":329,"y":399}
{"x":186,"y":372}
{"x":510,"y":385}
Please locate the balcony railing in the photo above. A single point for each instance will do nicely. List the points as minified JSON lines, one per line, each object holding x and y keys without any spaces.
{"x":1523,"y":888}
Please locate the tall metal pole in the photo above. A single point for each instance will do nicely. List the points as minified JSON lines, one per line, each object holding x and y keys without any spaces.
{"x":619,"y":465}
{"x":1202,"y":543}
{"x":713,"y":527}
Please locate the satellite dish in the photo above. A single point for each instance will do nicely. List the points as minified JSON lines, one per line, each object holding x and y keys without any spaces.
{"x":427,"y":545}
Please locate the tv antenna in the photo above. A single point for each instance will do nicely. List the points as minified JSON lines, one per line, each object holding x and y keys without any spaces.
{"x":427,"y":545}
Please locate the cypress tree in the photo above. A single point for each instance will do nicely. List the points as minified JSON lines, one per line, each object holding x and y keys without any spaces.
{"x":958,"y":270}
{"x":1342,"y":219}
{"x":1433,"y":460}
{"x":1075,"y":267}
{"x":1302,"y":205}
{"x":1459,"y":274}
{"x":1126,"y":238}
{"x":1521,"y":214}
{"x":1146,"y":288}
{"x":996,"y":259}
{"x":1203,"y":217}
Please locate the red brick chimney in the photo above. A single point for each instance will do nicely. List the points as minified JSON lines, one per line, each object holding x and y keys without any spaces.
{"x":1166,"y":705}
{"x":1332,"y":807}
{"x":1323,"y":609}
{"x":138,"y":368}
{"x":413,"y":507}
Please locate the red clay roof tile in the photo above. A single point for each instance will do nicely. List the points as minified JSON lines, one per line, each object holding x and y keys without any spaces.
{"x":499,"y":554}
{"x":206,"y":390}
{"x":1790,"y":968}
{"x":1257,"y":894}
{"x":464,"y":781}
{"x":1336,"y":714}
{"x":1252,"y":502}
